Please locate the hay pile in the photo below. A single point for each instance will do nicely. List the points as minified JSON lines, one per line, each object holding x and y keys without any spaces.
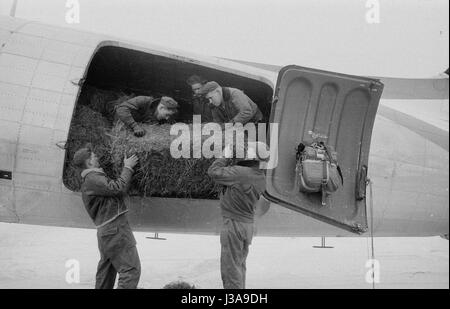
{"x":158,"y":174}
{"x":103,"y":101}
{"x":88,"y":126}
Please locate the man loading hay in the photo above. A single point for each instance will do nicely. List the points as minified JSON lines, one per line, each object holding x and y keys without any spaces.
{"x":200,"y":105}
{"x":244,"y":183}
{"x":103,"y":199}
{"x":230,"y":104}
{"x":145,"y":109}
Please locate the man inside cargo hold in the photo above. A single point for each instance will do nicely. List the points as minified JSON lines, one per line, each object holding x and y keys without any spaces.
{"x":243,"y":184}
{"x":230,"y":104}
{"x":145,"y":109}
{"x":103,"y":199}
{"x":200,"y":105}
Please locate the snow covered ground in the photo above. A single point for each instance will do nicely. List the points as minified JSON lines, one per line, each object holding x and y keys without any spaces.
{"x":36,"y":257}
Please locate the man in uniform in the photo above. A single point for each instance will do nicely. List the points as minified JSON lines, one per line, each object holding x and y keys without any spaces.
{"x":230,"y":104}
{"x":200,"y":105}
{"x":244,"y":182}
{"x":103,"y":199}
{"x":145,"y":109}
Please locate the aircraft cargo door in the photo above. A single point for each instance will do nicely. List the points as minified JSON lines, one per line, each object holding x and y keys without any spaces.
{"x":317,"y":106}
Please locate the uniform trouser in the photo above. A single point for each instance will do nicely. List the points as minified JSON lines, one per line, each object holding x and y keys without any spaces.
{"x":118,"y":254}
{"x":235,"y":239}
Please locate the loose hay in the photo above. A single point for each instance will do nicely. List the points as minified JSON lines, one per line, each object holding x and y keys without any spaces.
{"x":87,"y":126}
{"x":103,"y":101}
{"x":158,"y":174}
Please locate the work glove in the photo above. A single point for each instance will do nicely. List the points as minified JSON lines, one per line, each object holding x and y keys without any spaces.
{"x":138,"y":131}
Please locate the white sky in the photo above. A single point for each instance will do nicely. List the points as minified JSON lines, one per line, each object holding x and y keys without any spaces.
{"x":411,"y":39}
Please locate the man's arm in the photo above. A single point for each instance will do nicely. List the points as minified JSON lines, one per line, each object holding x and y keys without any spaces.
{"x":223,"y":174}
{"x":245,"y":109}
{"x":100,"y":185}
{"x":217,"y":118}
{"x":124,"y":109}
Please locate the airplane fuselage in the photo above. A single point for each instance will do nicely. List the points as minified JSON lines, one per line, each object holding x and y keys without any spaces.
{"x":41,"y":68}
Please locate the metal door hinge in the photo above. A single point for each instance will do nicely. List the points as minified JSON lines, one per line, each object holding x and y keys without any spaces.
{"x":61,"y":145}
{"x":78,"y":81}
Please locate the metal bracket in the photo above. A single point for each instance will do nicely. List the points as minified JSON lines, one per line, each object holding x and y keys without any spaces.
{"x":357,"y":228}
{"x":78,"y":81}
{"x":61,"y":145}
{"x":361,"y":184}
{"x":315,"y":135}
{"x":156,"y":237}
{"x":372,"y":87}
{"x":323,"y":245}
{"x":274,"y":100}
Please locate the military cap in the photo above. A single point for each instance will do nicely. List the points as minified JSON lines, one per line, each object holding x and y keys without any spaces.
{"x":195,"y":79}
{"x":169,"y":103}
{"x":208,"y":87}
{"x":80,"y":157}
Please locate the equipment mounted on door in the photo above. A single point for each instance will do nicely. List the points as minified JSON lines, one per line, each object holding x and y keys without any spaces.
{"x":317,"y":169}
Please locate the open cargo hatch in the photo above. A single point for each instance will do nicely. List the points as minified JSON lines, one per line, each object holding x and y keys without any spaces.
{"x":313,"y":105}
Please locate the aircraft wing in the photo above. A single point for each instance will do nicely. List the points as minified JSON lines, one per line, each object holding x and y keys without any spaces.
{"x":394,"y":88}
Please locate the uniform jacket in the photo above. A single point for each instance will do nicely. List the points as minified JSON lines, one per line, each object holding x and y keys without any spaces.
{"x":236,"y":107}
{"x":137,"y":109}
{"x":200,"y":106}
{"x":103,"y":198}
{"x":243,"y":187}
